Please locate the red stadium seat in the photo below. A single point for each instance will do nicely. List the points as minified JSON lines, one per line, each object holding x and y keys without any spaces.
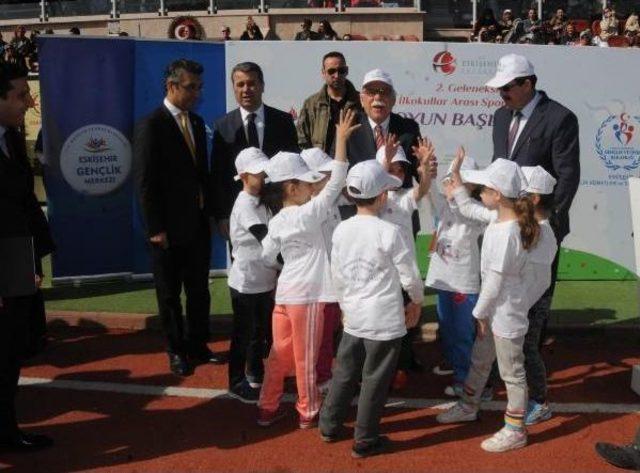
{"x":580,"y":25}
{"x":381,"y":37}
{"x":358,"y":37}
{"x":595,"y":28}
{"x":618,"y":42}
{"x":410,"y":37}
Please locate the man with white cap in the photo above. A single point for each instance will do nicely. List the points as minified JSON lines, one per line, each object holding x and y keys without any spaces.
{"x":533,"y":130}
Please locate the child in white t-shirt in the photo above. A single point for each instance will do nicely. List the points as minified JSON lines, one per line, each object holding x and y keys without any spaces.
{"x":454,"y":272}
{"x":502,"y":304}
{"x":319,"y":161}
{"x":251,"y":282}
{"x":538,"y":282}
{"x":399,"y":209}
{"x":304,"y":285}
{"x":370,"y":265}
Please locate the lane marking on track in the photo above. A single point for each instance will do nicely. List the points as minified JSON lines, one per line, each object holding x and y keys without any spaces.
{"x":393,"y":402}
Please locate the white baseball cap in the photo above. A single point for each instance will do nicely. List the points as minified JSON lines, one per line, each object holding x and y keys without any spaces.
{"x":368,"y":179}
{"x":511,"y":67}
{"x":502,"y":175}
{"x":377,"y":75}
{"x":399,"y":157}
{"x":251,"y":161}
{"x":317,"y":160}
{"x":539,"y":181}
{"x":285,"y":166}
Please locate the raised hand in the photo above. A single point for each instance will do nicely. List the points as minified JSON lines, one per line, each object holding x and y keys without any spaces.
{"x":391,"y":145}
{"x":345,"y":126}
{"x":456,"y":179}
{"x":425,"y":151}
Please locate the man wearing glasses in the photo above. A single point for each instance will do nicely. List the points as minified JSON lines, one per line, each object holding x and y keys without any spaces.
{"x":533,"y":130}
{"x":172,"y":179}
{"x":319,"y":115}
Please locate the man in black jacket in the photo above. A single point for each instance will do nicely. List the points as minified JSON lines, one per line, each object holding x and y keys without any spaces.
{"x":170,"y":162}
{"x":251,"y":124}
{"x":21,"y":217}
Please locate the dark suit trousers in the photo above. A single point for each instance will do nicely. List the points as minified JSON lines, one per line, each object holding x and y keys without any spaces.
{"x":14,"y":328}
{"x":188,"y":266}
{"x":251,"y":336}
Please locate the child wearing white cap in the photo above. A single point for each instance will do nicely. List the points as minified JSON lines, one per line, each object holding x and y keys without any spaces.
{"x":502,"y":304}
{"x":251,"y":281}
{"x":317,"y":160}
{"x":454,"y":272}
{"x":304,"y":285}
{"x":538,"y":281}
{"x":399,"y":208}
{"x":371,"y":263}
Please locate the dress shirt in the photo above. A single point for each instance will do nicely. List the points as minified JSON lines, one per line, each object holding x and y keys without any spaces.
{"x":175,"y":112}
{"x":526,"y":112}
{"x":384,"y":126}
{"x":259,"y":121}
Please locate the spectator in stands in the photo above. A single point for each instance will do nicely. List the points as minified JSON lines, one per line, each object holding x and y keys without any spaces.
{"x":22,"y":47}
{"x":486,"y":28}
{"x":632,"y":29}
{"x":532,"y":29}
{"x":346,"y":37}
{"x":558,"y":25}
{"x":252,"y":31}
{"x":569,"y":36}
{"x":307,"y":34}
{"x":320,"y":113}
{"x":3,"y":47}
{"x":326,"y":32}
{"x":48,"y":31}
{"x":226,"y":33}
{"x":608,"y":24}
{"x":585,"y":39}
{"x":74,"y":31}
{"x":33,"y":56}
{"x":505,"y":25}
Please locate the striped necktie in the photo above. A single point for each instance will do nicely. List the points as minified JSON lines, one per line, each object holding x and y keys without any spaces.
{"x":379,"y":136}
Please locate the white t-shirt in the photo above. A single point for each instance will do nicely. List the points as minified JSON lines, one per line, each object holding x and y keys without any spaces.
{"x":455,"y":260}
{"x":540,"y":258}
{"x":399,"y":211}
{"x":331,"y":222}
{"x":296,"y":233}
{"x":371,"y":263}
{"x":248,"y":274}
{"x":503,"y":295}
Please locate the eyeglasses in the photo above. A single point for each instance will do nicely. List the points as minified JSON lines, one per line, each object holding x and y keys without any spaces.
{"x":381,"y":91}
{"x":190,"y":87}
{"x":342,"y":70}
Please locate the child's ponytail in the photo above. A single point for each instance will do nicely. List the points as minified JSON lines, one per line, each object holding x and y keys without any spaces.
{"x":271,"y":196}
{"x":529,"y":228}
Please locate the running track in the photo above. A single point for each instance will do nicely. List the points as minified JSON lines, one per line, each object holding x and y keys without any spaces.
{"x":108,"y":401}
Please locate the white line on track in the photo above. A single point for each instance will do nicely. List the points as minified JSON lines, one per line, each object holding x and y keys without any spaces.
{"x":397,"y":403}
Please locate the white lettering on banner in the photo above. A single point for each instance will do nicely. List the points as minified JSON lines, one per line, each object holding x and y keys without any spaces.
{"x":442,"y":87}
{"x":96,"y":159}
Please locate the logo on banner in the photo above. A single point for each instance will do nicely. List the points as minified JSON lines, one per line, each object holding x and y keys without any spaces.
{"x":617,"y":144}
{"x":444,"y":62}
{"x":96,"y":160}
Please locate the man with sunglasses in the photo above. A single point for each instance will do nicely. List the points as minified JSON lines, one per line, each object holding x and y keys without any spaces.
{"x":319,"y":115}
{"x":172,"y":179}
{"x":533,"y":130}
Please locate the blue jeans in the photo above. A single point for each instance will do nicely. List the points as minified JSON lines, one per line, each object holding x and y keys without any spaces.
{"x":457,"y":330}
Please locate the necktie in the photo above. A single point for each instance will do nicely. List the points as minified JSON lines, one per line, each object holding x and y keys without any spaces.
{"x":252,"y":131}
{"x":184,"y":128}
{"x":379,"y":136}
{"x":513,"y":132}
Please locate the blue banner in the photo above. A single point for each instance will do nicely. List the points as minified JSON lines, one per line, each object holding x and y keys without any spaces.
{"x":93,"y":91}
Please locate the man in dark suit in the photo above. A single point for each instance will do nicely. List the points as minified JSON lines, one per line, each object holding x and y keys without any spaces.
{"x":21,"y":217}
{"x":533,"y":130}
{"x":251,"y":124}
{"x":172,"y":178}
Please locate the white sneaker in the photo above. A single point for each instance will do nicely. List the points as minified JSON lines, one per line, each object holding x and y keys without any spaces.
{"x":458,"y":413}
{"x":505,"y":439}
{"x":455,"y":390}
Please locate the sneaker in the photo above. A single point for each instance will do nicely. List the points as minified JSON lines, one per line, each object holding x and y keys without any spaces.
{"x":244,"y":393}
{"x":324,"y":387}
{"x":443,"y":369}
{"x":368,"y":449}
{"x":505,"y":439}
{"x":305,"y":423}
{"x":487,"y":394}
{"x":622,"y":456}
{"x":454,"y":391}
{"x":400,"y":380}
{"x":268,"y":418}
{"x":537,"y":413}
{"x":458,"y":413}
{"x":329,"y":438}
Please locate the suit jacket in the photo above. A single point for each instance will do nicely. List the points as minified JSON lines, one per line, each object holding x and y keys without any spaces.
{"x":362,"y":144}
{"x":549,"y":139}
{"x":168,"y":180}
{"x":229,"y":139}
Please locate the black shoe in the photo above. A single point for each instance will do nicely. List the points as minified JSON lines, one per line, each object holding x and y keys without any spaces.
{"x":368,"y":449}
{"x":179,"y":364}
{"x":244,"y":393}
{"x":625,"y":456}
{"x":416,"y":366}
{"x":204,"y":355}
{"x":334,"y":437}
{"x":24,"y":442}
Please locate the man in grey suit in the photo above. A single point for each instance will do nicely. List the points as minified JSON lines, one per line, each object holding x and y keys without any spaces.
{"x":533,"y":130}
